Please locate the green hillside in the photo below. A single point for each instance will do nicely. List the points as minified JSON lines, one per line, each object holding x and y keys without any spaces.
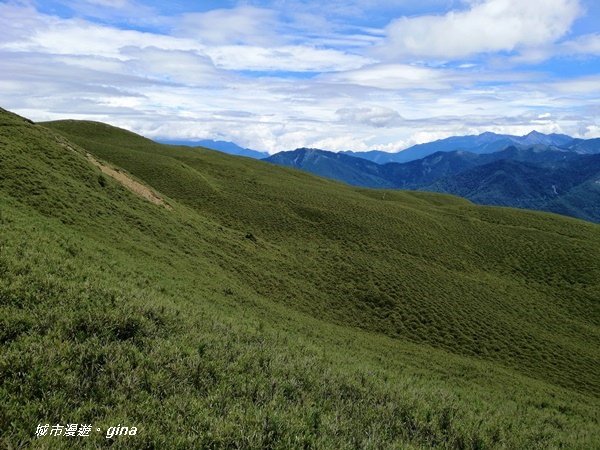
{"x":261,"y":307}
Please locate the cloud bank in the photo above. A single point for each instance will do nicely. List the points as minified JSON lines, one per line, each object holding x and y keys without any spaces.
{"x":275,"y":79}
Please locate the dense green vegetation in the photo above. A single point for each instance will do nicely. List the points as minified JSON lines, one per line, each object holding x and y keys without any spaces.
{"x":272,"y":309}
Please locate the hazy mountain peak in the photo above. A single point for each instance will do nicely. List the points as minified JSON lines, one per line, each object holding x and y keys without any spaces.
{"x":534,"y":133}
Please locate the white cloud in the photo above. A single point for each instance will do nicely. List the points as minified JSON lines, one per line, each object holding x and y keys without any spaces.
{"x":291,"y":58}
{"x":79,"y":37}
{"x":582,"y":85}
{"x":587,"y":45}
{"x":236,"y":26}
{"x":591,"y":131}
{"x":393,"y":76}
{"x":172,"y":66}
{"x":486,"y":26}
{"x":374,"y":116}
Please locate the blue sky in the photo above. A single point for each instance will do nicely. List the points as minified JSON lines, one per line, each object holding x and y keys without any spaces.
{"x":280,"y":74}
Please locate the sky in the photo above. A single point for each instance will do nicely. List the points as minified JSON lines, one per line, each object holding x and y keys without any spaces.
{"x":275,"y":75}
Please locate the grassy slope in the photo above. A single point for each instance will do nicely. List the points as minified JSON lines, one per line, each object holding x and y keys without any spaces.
{"x":403,"y":265}
{"x":479,"y":325}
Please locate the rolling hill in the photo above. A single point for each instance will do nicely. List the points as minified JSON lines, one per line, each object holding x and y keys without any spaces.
{"x":222,"y":146}
{"x":255,"y":306}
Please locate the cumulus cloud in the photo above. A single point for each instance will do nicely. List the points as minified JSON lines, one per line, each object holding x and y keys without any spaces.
{"x":486,"y":26}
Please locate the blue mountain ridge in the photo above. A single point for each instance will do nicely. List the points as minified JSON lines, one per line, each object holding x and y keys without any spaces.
{"x":480,"y":144}
{"x":538,"y":175}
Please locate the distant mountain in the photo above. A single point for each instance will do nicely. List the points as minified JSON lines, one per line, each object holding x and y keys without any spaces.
{"x":411,"y":175}
{"x":536,"y":138}
{"x":376,"y":156}
{"x":571,"y":187}
{"x":479,"y":144}
{"x":420,"y":173}
{"x":536,"y":177}
{"x":585,"y":146}
{"x":351,"y":170}
{"x":222,"y":146}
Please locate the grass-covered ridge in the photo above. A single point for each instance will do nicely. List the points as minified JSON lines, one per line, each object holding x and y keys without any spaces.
{"x":272,"y":309}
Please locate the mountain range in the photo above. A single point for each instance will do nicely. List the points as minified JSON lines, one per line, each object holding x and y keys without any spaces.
{"x":480,"y":144}
{"x":542,"y":175}
{"x":484,"y":143}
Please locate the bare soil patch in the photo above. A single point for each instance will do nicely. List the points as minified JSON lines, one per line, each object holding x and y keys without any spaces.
{"x":134,"y":186}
